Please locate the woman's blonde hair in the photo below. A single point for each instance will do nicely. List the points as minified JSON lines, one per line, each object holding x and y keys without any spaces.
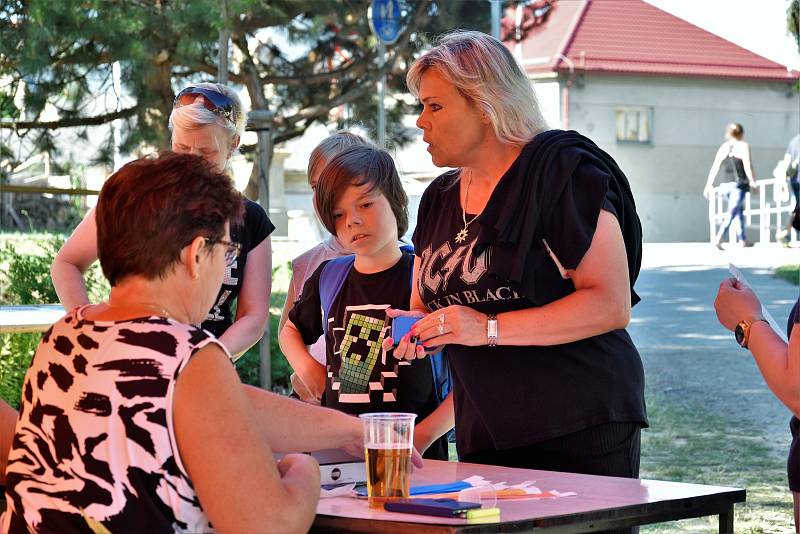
{"x":196,"y":115}
{"x":485,"y":72}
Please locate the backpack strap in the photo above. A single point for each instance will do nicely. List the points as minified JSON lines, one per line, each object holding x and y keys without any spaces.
{"x":442,"y":377}
{"x":331,"y":280}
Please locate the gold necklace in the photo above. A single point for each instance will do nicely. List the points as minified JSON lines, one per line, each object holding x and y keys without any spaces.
{"x":461,"y":236}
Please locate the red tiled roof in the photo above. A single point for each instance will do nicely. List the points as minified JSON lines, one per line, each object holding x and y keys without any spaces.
{"x":633,"y":37}
{"x":543,"y":44}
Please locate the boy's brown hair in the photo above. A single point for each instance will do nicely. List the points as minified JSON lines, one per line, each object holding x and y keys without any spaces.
{"x":356,"y":166}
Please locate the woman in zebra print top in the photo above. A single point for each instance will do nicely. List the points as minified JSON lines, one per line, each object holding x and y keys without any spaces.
{"x":134,"y":420}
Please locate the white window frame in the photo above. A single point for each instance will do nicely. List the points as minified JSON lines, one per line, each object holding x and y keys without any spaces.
{"x":634,"y":124}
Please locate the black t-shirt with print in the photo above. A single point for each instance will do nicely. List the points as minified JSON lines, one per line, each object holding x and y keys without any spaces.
{"x":254,"y":230}
{"x":360,"y":379}
{"x":512,"y":396}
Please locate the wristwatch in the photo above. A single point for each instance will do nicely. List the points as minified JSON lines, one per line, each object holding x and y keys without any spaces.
{"x":742,"y":331}
{"x":491,"y":330}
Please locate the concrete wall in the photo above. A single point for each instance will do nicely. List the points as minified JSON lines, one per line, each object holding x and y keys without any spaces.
{"x":689,"y":119}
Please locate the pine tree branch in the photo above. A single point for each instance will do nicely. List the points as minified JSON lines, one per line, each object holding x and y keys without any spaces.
{"x":71,"y":122}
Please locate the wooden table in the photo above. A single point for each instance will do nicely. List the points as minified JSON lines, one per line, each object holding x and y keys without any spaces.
{"x":601,"y":503}
{"x":29,"y":318}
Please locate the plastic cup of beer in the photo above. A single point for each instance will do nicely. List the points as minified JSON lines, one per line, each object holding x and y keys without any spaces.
{"x":388,"y":440}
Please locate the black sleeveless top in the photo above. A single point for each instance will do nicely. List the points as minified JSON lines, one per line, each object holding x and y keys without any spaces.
{"x":733,"y":170}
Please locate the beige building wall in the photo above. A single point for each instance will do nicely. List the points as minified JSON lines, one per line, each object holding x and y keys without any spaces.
{"x":689,"y":116}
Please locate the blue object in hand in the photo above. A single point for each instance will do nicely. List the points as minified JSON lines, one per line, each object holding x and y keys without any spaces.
{"x":401,"y":326}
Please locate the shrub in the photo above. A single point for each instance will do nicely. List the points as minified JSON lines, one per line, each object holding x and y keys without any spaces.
{"x":249,"y":365}
{"x":25,"y":279}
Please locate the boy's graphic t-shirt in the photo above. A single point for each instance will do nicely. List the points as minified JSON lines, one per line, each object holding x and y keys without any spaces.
{"x":360,"y":377}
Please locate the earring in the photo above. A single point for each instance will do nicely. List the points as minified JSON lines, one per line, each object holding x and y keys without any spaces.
{"x":196,"y":276}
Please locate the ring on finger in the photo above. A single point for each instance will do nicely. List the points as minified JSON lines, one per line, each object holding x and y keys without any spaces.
{"x":441,"y":319}
{"x":441,"y":329}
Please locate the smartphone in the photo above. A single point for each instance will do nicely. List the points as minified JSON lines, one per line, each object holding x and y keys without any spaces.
{"x":401,"y":326}
{"x":437,"y":507}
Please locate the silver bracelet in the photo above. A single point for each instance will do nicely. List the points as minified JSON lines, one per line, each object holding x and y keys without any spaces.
{"x":491,"y":330}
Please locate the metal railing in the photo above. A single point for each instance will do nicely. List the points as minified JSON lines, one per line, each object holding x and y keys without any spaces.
{"x":771,"y":208}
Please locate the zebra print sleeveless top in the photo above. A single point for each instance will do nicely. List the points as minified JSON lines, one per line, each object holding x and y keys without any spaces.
{"x":95,"y":444}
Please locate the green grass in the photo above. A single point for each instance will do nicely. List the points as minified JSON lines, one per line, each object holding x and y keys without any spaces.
{"x":790,"y":273}
{"x":685,"y":441}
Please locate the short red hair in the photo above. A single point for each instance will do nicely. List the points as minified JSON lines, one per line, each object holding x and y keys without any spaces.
{"x":154,"y":206}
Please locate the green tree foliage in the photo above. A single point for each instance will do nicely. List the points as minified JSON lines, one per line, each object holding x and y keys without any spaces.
{"x":299,"y":60}
{"x":63,"y":53}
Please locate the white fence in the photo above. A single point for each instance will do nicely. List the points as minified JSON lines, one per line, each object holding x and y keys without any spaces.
{"x":768,"y":207}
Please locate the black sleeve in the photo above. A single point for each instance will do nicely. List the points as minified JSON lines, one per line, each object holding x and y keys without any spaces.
{"x":307,"y":312}
{"x":258,"y":223}
{"x":570,"y":220}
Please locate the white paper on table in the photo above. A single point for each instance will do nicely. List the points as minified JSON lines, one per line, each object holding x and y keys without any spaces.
{"x":736,"y":273}
{"x":338,"y":491}
{"x":526,"y":486}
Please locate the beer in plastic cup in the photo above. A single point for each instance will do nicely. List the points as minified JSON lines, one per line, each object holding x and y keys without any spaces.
{"x":388,"y":441}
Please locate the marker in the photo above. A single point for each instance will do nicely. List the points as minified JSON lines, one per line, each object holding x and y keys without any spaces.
{"x":480,"y":512}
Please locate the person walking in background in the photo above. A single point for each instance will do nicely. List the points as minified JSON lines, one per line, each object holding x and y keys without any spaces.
{"x":207,"y":119}
{"x":733,"y":158}
{"x":527,"y":253}
{"x":791,"y":170}
{"x":739,"y":310}
{"x":307,"y":262}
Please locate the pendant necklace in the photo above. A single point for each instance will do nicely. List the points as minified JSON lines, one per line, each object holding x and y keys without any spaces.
{"x":461,"y":236}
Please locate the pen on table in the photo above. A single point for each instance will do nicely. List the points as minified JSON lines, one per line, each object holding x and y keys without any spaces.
{"x":479,"y":512}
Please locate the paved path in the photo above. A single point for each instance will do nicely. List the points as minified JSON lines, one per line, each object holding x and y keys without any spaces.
{"x":686,"y":352}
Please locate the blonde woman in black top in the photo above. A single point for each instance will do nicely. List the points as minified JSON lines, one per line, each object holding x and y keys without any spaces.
{"x":526,"y":258}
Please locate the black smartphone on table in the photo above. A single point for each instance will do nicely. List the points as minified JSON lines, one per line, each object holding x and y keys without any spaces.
{"x":437,"y":507}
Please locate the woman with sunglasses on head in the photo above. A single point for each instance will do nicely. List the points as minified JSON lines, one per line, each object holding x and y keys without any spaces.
{"x":207,"y":119}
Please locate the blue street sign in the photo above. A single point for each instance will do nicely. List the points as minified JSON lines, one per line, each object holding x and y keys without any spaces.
{"x":384,"y":19}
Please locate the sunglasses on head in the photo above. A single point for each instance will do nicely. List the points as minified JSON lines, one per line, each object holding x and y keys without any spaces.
{"x":213,"y":101}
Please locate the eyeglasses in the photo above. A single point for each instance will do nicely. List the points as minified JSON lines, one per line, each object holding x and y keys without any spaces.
{"x":213,"y":101}
{"x":232,"y":249}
